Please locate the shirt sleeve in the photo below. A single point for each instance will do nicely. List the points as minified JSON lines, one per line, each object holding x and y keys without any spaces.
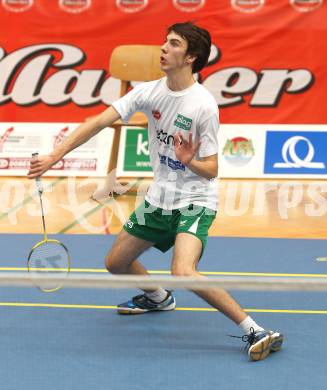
{"x":208,"y":135}
{"x":131,"y":102}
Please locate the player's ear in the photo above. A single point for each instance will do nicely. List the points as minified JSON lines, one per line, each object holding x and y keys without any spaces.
{"x":190,"y":58}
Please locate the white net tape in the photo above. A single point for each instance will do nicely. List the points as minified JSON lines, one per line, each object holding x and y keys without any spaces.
{"x":257,"y":283}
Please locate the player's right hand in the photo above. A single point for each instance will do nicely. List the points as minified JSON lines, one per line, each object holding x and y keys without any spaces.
{"x":39,"y":165}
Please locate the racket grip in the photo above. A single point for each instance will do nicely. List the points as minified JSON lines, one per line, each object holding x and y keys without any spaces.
{"x":37,"y":179}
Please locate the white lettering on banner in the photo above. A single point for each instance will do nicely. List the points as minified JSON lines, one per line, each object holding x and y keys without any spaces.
{"x":214,"y":55}
{"x":33,"y":74}
{"x":274,"y":82}
{"x":268,"y":85}
{"x":29,"y":66}
{"x":142,"y":147}
{"x":296,"y":162}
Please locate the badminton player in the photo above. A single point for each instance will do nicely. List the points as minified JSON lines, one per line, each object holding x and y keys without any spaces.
{"x":182,"y":200}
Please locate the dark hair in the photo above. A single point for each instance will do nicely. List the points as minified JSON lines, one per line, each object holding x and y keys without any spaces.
{"x":198,"y":42}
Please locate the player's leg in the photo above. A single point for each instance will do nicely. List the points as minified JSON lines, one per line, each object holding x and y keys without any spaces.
{"x":138,"y":234}
{"x":144,"y":229}
{"x":191,"y":236}
{"x":187,"y":252}
{"x":122,"y":257}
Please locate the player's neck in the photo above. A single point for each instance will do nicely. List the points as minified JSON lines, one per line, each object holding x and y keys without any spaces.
{"x":177,"y":81}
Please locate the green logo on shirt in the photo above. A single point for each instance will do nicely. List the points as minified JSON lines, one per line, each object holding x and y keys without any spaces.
{"x":183,"y":122}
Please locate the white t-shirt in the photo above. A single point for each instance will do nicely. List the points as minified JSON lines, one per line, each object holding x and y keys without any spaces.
{"x":192,"y":109}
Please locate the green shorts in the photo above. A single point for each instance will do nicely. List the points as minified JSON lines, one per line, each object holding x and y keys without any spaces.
{"x":161,"y":226}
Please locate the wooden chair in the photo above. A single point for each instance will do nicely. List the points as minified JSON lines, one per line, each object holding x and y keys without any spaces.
{"x":132,"y":63}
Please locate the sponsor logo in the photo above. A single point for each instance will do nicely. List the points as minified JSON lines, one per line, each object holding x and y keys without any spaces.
{"x":4,"y":137}
{"x":131,"y":5}
{"x":43,"y":68}
{"x":188,"y":5}
{"x":142,"y":145}
{"x":156,"y":114}
{"x":238,"y":151}
{"x":162,"y":136}
{"x":82,"y":164}
{"x":173,"y":164}
{"x":163,"y":159}
{"x":292,"y":160}
{"x":4,"y":163}
{"x":306,"y":5}
{"x":75,"y":6}
{"x":60,"y":137}
{"x":136,"y":150}
{"x":17,"y":5}
{"x":300,"y":152}
{"x":182,"y":223}
{"x":15,"y":163}
{"x":247,"y":5}
{"x":183,"y":122}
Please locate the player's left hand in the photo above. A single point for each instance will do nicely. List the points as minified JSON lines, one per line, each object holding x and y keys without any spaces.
{"x":185,"y":150}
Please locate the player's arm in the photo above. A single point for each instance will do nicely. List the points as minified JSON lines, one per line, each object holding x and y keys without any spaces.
{"x":79,"y":136}
{"x":186,"y":150}
{"x":206,"y":167}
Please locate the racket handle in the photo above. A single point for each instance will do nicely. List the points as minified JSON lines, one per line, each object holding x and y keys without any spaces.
{"x":37,"y":179}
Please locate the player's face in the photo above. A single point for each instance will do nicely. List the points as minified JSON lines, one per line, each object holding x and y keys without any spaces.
{"x":173,"y":53}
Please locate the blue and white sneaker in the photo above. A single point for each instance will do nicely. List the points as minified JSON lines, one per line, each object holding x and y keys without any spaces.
{"x":261,"y":343}
{"x":141,"y":304}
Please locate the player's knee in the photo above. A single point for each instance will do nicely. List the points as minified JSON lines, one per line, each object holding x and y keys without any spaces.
{"x":107,"y":261}
{"x":112,"y":264}
{"x":183,"y":271}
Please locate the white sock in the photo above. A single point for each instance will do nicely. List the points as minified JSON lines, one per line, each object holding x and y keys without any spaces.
{"x":158,"y":295}
{"x":249,"y":323}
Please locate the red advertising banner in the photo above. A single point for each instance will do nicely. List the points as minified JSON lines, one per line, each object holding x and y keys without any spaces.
{"x":267,"y":63}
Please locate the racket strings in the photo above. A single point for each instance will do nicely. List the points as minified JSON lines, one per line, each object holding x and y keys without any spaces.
{"x":49,"y":258}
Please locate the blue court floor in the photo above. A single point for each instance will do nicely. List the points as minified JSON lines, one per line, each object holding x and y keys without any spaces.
{"x":73,"y":339}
